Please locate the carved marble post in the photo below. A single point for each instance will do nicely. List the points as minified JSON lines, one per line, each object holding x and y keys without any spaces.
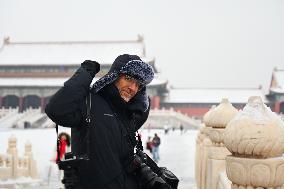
{"x":32,"y":168}
{"x":2,"y":160}
{"x":13,"y":156}
{"x":255,"y":137}
{"x":202,"y":144}
{"x":220,"y":117}
{"x":198,"y":155}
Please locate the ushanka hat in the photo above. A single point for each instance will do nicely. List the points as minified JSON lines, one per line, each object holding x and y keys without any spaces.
{"x":131,"y":65}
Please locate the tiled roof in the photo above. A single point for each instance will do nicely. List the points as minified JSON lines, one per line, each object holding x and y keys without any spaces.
{"x":67,"y":53}
{"x":70,"y":52}
{"x":205,"y":95}
{"x":277,"y":83}
{"x":53,"y":82}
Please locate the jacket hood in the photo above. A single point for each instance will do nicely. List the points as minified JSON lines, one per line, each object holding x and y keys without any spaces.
{"x":126,"y":64}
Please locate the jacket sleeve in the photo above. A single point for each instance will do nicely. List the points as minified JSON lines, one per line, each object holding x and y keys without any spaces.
{"x":67,"y":106}
{"x":141,"y":118}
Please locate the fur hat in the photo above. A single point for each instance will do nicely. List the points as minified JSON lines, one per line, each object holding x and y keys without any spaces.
{"x":126,"y":64}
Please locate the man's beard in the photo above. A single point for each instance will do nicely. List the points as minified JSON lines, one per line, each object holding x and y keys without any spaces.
{"x":125,"y":95}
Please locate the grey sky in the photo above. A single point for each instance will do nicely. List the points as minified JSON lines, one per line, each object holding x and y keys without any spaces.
{"x":197,"y":43}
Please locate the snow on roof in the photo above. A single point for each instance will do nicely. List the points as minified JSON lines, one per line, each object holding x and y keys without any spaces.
{"x":278,"y":76}
{"x":32,"y":82}
{"x":158,"y":80}
{"x":52,"y":82}
{"x":72,"y":52}
{"x":206,"y":95}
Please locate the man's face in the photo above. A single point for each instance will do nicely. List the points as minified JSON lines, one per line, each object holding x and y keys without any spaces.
{"x":127,"y":87}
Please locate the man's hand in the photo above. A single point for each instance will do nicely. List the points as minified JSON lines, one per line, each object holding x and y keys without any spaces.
{"x":92,"y":67}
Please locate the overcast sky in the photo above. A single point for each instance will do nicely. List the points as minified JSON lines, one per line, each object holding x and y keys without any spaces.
{"x":196,"y":43}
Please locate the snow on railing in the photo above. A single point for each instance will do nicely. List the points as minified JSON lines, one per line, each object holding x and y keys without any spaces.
{"x":48,"y":123}
{"x":7,"y":113}
{"x":160,"y":118}
{"x":14,"y":166}
{"x":28,"y":115}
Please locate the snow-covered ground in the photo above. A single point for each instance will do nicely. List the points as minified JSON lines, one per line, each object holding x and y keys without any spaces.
{"x":176,"y":151}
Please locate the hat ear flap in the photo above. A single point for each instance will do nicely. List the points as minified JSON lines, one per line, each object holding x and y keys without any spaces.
{"x":140,"y":102}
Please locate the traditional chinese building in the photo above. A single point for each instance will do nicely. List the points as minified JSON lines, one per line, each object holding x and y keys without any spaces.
{"x":276,"y":90}
{"x":32,"y":71}
{"x":197,"y":101}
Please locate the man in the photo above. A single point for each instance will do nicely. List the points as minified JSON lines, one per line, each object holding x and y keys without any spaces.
{"x":156,"y":141}
{"x":119,"y":107}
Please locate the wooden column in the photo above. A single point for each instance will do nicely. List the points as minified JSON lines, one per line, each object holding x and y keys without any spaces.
{"x":277,"y":107}
{"x":21,"y":104}
{"x":42,"y":104}
{"x":155,"y":102}
{"x":1,"y":101}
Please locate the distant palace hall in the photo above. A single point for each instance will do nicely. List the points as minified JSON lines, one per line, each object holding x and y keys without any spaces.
{"x":32,"y":71}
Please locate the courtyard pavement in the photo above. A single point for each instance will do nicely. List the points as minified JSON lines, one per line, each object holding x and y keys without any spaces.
{"x":177,"y":151}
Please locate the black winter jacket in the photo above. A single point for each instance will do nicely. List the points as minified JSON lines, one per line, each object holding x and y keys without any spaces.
{"x":112,"y":128}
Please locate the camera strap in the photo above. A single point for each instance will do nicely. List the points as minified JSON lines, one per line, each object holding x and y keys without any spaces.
{"x":88,"y":121}
{"x":57,"y":144}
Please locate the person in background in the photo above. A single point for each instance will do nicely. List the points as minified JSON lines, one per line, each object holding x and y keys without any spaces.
{"x":181,"y":129}
{"x":149,"y":144}
{"x":64,"y":147}
{"x":64,"y":144}
{"x":156,"y":141}
{"x":166,"y":129}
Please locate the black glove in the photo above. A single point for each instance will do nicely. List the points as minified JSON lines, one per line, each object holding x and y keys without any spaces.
{"x":92,"y":67}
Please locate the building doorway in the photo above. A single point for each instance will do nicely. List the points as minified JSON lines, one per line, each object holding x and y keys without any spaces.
{"x":31,"y":101}
{"x":10,"y":101}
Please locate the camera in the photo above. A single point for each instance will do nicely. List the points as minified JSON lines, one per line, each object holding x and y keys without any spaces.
{"x":149,"y":179}
{"x":71,"y":161}
{"x":70,"y":167}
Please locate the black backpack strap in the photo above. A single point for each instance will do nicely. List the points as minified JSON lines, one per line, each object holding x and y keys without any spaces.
{"x":139,"y":144}
{"x":57,"y":144}
{"x":88,"y":120}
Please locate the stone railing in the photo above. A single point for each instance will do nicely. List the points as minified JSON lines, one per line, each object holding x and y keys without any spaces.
{"x":158,"y":118}
{"x":6,"y":111}
{"x":12,"y":166}
{"x":28,"y":118}
{"x":213,"y":152}
{"x":240,"y":150}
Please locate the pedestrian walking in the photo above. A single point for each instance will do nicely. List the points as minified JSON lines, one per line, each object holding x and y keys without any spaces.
{"x":149,"y":144}
{"x":156,"y":141}
{"x":166,"y":129}
{"x":181,"y":129}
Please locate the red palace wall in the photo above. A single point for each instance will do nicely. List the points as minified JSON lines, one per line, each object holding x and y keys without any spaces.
{"x":198,"y":112}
